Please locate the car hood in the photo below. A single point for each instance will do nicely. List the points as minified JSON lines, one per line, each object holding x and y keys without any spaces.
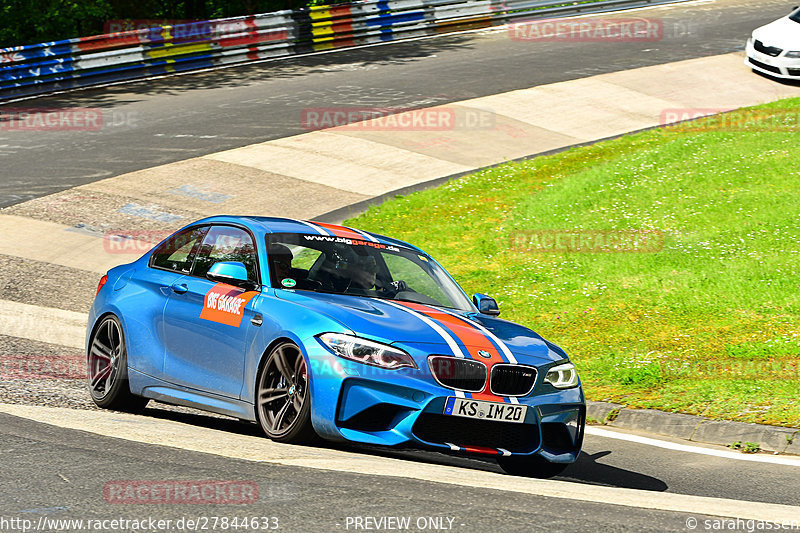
{"x":783,"y":33}
{"x":391,"y":322}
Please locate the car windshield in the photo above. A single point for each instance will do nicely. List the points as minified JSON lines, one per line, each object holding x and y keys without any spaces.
{"x":795,"y":16}
{"x":338,"y":265}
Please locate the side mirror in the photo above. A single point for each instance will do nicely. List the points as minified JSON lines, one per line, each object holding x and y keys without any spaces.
{"x":486,"y":304}
{"x":232,"y":273}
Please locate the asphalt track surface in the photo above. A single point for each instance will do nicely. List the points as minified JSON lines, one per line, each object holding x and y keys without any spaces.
{"x":79,"y":464}
{"x":60,"y":473}
{"x":172,"y":119}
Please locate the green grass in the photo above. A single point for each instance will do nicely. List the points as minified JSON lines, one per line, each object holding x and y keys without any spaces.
{"x":708,"y":324}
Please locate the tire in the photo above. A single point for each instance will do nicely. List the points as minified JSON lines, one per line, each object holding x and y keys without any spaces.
{"x":107,"y":363}
{"x":530,"y":466}
{"x":283,"y":396}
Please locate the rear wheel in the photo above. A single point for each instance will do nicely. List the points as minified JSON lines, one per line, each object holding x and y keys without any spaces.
{"x":530,"y":466}
{"x":107,"y":363}
{"x":283,"y":398}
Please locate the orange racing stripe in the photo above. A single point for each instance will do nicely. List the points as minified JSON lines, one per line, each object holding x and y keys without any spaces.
{"x":340,"y":231}
{"x":472,"y":339}
{"x":481,"y":449}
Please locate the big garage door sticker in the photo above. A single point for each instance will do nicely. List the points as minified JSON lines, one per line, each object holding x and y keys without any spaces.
{"x":225,"y":304}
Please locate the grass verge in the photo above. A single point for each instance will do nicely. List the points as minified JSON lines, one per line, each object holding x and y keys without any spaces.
{"x":706,"y":321}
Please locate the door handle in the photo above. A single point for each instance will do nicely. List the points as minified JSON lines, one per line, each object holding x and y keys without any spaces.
{"x":180,"y":288}
{"x":257,"y":320}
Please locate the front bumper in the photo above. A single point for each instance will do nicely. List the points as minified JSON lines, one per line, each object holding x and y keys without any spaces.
{"x":359,"y":403}
{"x":776,"y":66}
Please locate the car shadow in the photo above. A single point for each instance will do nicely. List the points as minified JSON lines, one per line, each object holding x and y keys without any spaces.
{"x":782,"y":81}
{"x":585,"y":470}
{"x":588,"y":470}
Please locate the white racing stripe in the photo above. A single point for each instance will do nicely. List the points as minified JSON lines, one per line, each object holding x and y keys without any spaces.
{"x":446,"y":336}
{"x":362,"y":233}
{"x":486,"y":332}
{"x":162,"y":432}
{"x":492,"y":336}
{"x":725,"y":454}
{"x":442,"y":333}
{"x":318,"y":229}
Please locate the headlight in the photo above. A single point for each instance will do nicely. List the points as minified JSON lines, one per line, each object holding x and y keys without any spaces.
{"x":562,"y":376}
{"x":794,"y":54}
{"x":366,"y":351}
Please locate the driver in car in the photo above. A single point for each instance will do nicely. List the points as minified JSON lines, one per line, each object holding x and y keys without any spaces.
{"x":362,"y":273}
{"x":363,"y":279}
{"x":282,"y":263}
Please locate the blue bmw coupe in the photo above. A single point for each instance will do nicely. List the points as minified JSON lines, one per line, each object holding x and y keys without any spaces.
{"x":314,"y":330}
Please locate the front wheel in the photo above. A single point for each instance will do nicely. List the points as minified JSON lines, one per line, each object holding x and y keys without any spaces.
{"x":530,"y":466}
{"x":107,"y":363}
{"x":283,"y":398}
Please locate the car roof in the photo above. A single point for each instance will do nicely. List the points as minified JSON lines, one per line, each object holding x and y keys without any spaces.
{"x":290,"y":225}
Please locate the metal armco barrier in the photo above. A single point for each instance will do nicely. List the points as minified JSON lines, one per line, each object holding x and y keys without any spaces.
{"x":101,"y":59}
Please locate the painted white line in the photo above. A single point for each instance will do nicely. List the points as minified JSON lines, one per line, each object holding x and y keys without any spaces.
{"x":49,"y":242}
{"x":44,"y":324}
{"x":253,"y":448}
{"x":756,"y":458}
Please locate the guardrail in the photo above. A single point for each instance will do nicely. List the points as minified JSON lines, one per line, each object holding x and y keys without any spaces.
{"x":116,"y":57}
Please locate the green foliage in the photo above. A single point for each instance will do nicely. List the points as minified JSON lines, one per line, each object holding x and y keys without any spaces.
{"x":35,"y":21}
{"x":751,"y":447}
{"x":706,"y":323}
{"x":745,"y":447}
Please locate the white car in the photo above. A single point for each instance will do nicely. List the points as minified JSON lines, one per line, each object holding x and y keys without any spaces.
{"x":774,"y":49}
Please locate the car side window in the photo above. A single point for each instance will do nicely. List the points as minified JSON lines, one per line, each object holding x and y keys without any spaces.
{"x":178,"y":252}
{"x":227,"y":243}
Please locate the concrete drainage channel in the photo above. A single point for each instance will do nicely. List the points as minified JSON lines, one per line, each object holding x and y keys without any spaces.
{"x":778,"y":440}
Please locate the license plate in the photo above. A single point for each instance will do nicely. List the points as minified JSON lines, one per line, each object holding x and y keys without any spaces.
{"x":767,"y":60}
{"x":502,"y":412}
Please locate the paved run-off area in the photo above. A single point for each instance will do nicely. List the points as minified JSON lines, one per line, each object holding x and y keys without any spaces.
{"x":67,"y":240}
{"x":54,"y":249}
